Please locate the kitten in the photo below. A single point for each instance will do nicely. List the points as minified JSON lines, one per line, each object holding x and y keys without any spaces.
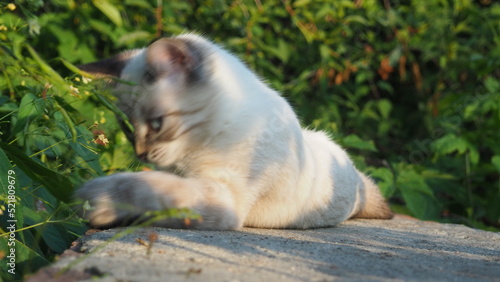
{"x":240,"y":154}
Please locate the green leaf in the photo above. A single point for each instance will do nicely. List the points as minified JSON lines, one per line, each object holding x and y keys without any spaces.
{"x":76,"y":116}
{"x":385,"y":86}
{"x":473,"y":154}
{"x":54,"y":235}
{"x":8,"y":108}
{"x":112,"y":107}
{"x":57,"y":184}
{"x":139,"y":3}
{"x":495,"y":160}
{"x":421,"y":205}
{"x":5,"y":167}
{"x":28,"y":258}
{"x":301,"y":3}
{"x":67,"y":120}
{"x":356,"y":19}
{"x":9,"y":175}
{"x":283,"y":51}
{"x":109,"y":10}
{"x":395,"y":55}
{"x":492,"y":85}
{"x":451,"y":143}
{"x":411,"y":180}
{"x":89,"y":154}
{"x":29,"y":109}
{"x":55,"y":78}
{"x":435,"y":174}
{"x":131,"y":37}
{"x":384,"y":107}
{"x":354,"y":141}
{"x":72,"y":67}
{"x":417,"y":194}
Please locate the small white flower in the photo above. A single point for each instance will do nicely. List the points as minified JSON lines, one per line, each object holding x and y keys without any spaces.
{"x":74,"y":89}
{"x":101,"y":139}
{"x":86,"y":80}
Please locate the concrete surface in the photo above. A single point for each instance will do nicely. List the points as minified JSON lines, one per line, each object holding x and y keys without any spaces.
{"x":357,"y":250}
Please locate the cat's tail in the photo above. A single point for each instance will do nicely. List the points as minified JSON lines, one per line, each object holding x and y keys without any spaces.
{"x":372,"y":204}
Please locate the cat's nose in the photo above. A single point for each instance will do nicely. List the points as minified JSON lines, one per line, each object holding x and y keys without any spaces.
{"x":142,"y":156}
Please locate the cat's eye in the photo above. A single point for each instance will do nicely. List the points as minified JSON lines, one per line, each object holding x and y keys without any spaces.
{"x":155,"y":123}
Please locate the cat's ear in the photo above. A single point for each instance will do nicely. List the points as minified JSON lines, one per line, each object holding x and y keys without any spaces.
{"x":171,"y":55}
{"x":110,"y":67}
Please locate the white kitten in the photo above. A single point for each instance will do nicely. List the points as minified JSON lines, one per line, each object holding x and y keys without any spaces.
{"x":242,"y":158}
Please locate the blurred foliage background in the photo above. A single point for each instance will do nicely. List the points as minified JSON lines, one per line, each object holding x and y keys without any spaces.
{"x":410,"y":88}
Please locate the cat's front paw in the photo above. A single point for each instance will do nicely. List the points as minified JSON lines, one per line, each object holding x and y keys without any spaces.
{"x":117,"y":199}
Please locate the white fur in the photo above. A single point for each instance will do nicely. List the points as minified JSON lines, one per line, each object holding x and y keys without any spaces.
{"x":249,"y":164}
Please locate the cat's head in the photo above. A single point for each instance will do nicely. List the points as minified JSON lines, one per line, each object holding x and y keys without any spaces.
{"x":167,"y":96}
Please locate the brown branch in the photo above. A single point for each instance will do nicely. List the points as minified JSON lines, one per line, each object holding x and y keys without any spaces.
{"x":259,"y":5}
{"x":159,"y":16}
{"x":387,"y":5}
{"x":358,"y":3}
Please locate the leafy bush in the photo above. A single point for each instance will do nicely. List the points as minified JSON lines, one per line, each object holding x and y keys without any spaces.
{"x":411,"y":88}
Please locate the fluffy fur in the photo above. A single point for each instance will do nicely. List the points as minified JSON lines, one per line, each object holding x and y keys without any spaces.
{"x":239,"y":153}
